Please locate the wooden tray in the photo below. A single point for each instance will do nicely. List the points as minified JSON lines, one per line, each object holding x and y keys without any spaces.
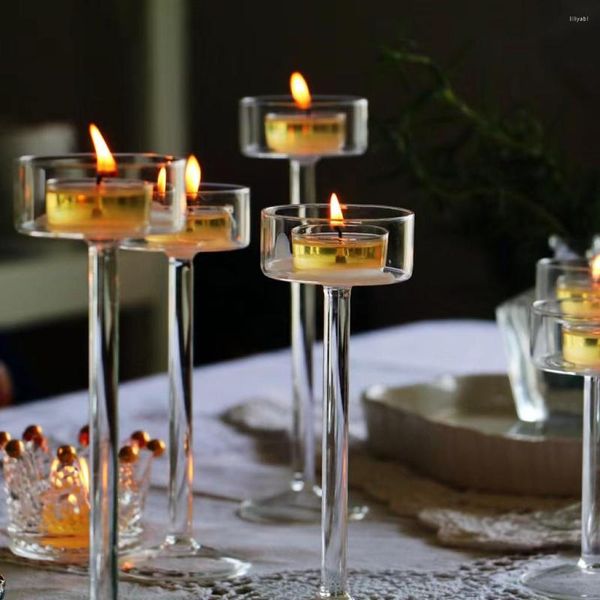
{"x":464,"y":431}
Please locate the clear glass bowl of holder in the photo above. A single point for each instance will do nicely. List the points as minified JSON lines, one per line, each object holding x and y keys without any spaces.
{"x":275,"y":127}
{"x":65,"y":197}
{"x":47,"y":498}
{"x":549,"y":401}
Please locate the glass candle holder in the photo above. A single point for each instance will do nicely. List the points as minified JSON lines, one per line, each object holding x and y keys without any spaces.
{"x":275,"y":127}
{"x":48,"y":497}
{"x":566,"y":339}
{"x":72,"y":196}
{"x":373,"y":245}
{"x":217,"y":220}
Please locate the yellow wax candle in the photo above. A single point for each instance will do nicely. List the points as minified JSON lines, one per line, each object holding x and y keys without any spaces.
{"x":338,"y":251}
{"x":305,"y":134}
{"x":65,"y":504}
{"x":339,"y":254}
{"x":580,"y":301}
{"x":581,"y":346}
{"x":207,"y":229}
{"x":111,"y":207}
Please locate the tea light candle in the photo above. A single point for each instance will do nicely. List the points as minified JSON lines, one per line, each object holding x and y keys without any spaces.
{"x":339,"y":253}
{"x":581,"y":345}
{"x":305,"y":133}
{"x":65,"y":504}
{"x":209,"y":228}
{"x":102,"y":206}
{"x":585,"y":291}
{"x":580,"y":298}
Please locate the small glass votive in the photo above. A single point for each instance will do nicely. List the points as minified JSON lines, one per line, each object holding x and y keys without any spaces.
{"x":47,"y":494}
{"x":274,"y":127}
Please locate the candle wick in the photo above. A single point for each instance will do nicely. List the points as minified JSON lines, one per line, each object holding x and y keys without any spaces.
{"x":339,"y":232}
{"x":98,"y":179}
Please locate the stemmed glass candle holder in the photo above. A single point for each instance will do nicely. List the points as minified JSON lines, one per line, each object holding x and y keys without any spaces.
{"x":101,"y":199}
{"x":217,"y":220}
{"x":301,"y":129}
{"x":566,"y":339}
{"x":366,"y":245}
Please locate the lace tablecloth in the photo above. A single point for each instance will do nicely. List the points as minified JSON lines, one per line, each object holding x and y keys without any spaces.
{"x":232,"y":465}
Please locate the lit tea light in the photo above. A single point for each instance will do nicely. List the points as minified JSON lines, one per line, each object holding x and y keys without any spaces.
{"x":209,"y":228}
{"x":581,"y":342}
{"x":50,"y":491}
{"x":339,"y":253}
{"x":102,"y":206}
{"x":305,"y":132}
{"x":585,"y":289}
{"x":66,"y":502}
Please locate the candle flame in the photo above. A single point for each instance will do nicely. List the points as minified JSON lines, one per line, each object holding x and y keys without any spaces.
{"x":161,"y":182}
{"x":105,"y":162}
{"x":595,"y":266}
{"x":336,"y":216}
{"x":300,"y":91}
{"x":193,"y":174}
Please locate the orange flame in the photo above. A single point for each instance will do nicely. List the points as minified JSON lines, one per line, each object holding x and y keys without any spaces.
{"x":105,"y":162}
{"x":161,"y":182}
{"x":300,"y":91}
{"x":336,"y":216}
{"x":193,"y":174}
{"x":595,"y":266}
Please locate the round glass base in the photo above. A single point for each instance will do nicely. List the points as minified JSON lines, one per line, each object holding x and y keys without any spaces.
{"x":66,"y":550}
{"x":327,"y":596}
{"x":568,"y":581}
{"x":292,"y":506}
{"x":183,"y":561}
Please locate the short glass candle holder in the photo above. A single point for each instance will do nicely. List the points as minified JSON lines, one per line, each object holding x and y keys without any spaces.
{"x":48,"y":496}
{"x":566,"y":339}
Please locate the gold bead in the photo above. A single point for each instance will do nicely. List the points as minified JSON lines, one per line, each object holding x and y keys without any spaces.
{"x":157,"y":447}
{"x":66,"y":455}
{"x":141,"y":438}
{"x":32,"y":432}
{"x":4,"y":439}
{"x":14,"y":448}
{"x":128,"y":454}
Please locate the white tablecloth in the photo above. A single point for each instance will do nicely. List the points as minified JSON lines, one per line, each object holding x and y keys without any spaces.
{"x":230,"y":466}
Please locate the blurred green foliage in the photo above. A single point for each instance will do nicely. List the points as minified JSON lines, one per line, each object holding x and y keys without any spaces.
{"x":496,"y":175}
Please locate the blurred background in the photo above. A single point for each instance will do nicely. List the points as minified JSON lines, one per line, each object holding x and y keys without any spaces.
{"x":166,"y":75}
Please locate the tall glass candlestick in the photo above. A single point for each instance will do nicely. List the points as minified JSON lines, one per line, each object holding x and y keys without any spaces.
{"x":80,"y":197}
{"x":308,"y":244}
{"x":217,"y":220}
{"x":303,"y":129}
{"x":566,"y":339}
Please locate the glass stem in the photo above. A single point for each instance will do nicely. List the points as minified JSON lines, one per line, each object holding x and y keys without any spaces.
{"x":104,"y":430}
{"x":303,"y":190}
{"x":181,"y":361}
{"x":590,"y":486}
{"x":334,"y":512}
